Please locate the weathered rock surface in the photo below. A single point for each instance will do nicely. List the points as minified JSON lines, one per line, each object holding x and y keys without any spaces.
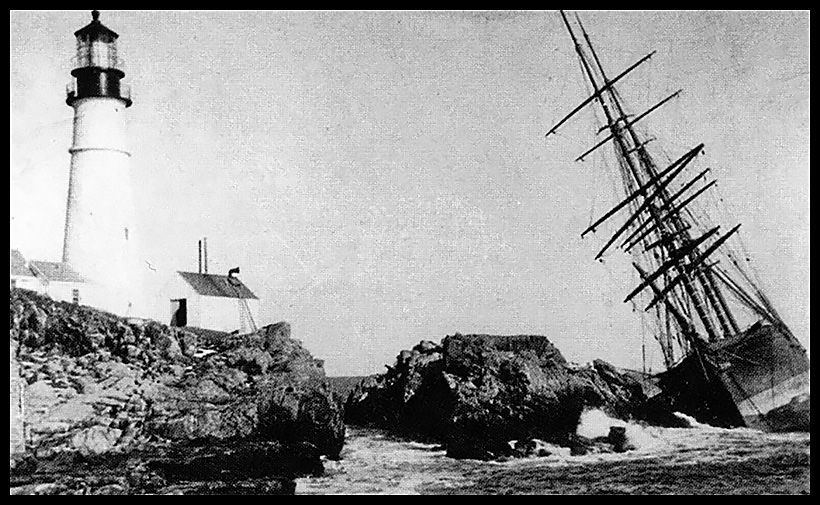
{"x":114,"y":402}
{"x":264,"y":386}
{"x":475,"y":393}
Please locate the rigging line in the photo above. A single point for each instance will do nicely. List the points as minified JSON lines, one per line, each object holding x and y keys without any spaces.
{"x":638,"y":235}
{"x":588,"y":89}
{"x":739,"y":358}
{"x":762,"y":299}
{"x":592,"y":207}
{"x":748,"y":272}
{"x":682,"y":253}
{"x":644,"y":206}
{"x":599,"y":121}
{"x":628,"y":124}
{"x":595,"y":95}
{"x":656,"y":181}
{"x":684,"y":324}
{"x":749,"y":265}
{"x":616,"y":133}
{"x":744,"y":297}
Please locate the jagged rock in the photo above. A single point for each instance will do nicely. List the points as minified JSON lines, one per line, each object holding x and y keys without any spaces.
{"x":95,"y":440}
{"x":538,"y":448}
{"x":474,"y":393}
{"x":239,"y":460}
{"x":187,"y":343}
{"x":263,"y":384}
{"x":110,"y":489}
{"x":168,"y":346}
{"x":266,"y":486}
{"x":101,"y":388}
{"x":426,"y":347}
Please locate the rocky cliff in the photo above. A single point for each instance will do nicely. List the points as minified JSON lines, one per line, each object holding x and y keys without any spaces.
{"x":478,"y":393}
{"x":122,"y":406}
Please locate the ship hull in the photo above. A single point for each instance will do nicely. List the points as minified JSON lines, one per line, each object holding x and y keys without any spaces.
{"x":759,"y":379}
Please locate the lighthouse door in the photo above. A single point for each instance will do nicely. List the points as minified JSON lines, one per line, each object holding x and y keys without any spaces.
{"x":179,"y":312}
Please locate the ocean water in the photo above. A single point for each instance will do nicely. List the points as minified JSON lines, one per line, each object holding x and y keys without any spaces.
{"x":696,"y":460}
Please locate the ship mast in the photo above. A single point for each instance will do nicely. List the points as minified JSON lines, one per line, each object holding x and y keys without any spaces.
{"x":660,"y":219}
{"x":713,"y":295}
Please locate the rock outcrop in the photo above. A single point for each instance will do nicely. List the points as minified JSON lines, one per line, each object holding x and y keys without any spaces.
{"x":261,"y":386}
{"x":476,"y":393}
{"x":136,"y":406}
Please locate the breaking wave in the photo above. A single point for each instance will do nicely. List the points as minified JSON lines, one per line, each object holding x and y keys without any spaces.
{"x":596,"y":423}
{"x":698,"y":459}
{"x":690,"y":421}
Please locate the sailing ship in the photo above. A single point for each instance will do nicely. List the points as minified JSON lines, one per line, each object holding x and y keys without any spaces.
{"x":730,"y":358}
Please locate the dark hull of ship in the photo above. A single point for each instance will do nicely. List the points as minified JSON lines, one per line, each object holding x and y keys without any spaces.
{"x":759,"y":379}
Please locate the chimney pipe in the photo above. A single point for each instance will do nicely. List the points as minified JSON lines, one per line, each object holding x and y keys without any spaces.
{"x":199,"y":243}
{"x":205,"y":252}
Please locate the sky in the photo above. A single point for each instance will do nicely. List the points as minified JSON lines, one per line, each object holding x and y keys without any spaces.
{"x":383,"y":178}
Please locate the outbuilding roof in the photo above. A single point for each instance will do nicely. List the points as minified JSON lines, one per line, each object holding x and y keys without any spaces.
{"x":18,"y":264}
{"x":217,"y":285}
{"x":55,"y":272}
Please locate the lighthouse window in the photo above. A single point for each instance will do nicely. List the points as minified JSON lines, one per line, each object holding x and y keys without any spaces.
{"x":102,"y":55}
{"x":83,"y":51}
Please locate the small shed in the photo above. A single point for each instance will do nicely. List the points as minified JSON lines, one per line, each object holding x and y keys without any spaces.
{"x":59,"y":281}
{"x":21,"y":274}
{"x":213,"y":302}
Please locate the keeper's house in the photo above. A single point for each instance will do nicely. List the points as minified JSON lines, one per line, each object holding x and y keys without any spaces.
{"x":56,"y":280}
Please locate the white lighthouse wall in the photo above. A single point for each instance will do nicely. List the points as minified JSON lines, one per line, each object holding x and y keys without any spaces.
{"x":99,"y":123}
{"x":100,"y":236}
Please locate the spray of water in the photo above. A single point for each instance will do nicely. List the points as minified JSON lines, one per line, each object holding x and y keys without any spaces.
{"x":595,"y":423}
{"x":690,"y":421}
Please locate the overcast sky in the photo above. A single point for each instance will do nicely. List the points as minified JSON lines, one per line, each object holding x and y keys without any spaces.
{"x":383,"y":177}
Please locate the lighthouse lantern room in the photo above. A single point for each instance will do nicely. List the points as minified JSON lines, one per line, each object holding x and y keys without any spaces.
{"x":97,"y":71}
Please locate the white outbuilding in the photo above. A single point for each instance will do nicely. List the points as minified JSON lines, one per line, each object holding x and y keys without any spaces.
{"x":213,"y":302}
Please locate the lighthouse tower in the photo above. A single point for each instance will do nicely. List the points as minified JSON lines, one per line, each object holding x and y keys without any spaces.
{"x":100,"y":236}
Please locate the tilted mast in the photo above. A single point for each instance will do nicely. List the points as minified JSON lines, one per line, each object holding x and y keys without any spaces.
{"x":675,"y":263}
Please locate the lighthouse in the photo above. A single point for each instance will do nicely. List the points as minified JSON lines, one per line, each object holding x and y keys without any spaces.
{"x":100,"y":240}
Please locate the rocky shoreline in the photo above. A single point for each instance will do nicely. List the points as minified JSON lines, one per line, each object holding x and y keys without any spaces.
{"x":488,"y":397}
{"x":117,"y":406}
{"x":114,"y":406}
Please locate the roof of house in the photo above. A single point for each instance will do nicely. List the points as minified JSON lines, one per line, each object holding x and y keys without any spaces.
{"x":217,"y":285}
{"x":56,"y":272}
{"x":18,"y":264}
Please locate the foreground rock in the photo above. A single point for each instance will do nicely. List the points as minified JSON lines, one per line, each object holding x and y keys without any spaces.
{"x":476,"y":393}
{"x":130,"y":407}
{"x":261,"y":386}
